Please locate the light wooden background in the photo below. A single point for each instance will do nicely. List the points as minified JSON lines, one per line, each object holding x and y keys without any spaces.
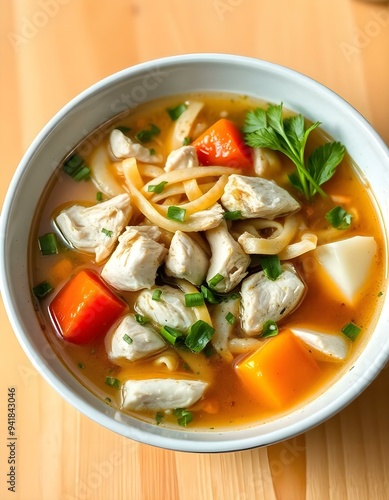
{"x":52,"y":49}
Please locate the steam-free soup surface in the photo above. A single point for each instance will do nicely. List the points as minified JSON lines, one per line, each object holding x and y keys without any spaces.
{"x":246,"y":347}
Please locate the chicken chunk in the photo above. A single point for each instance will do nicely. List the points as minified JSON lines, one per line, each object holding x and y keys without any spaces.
{"x":184,"y":157}
{"x":324,"y":346}
{"x":228,"y":259}
{"x":135,"y":261}
{"x":224,"y":329}
{"x":256,"y":197}
{"x":123,"y":147}
{"x":161,"y":394}
{"x":95,"y":229}
{"x":186,"y":259}
{"x":169,"y":310}
{"x":132,"y":341}
{"x":263,"y":299}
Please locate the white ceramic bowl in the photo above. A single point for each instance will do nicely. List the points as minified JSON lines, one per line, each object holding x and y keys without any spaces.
{"x":124,"y":90}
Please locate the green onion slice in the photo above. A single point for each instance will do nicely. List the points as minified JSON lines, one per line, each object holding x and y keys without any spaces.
{"x":42,"y":289}
{"x":99,"y":196}
{"x":176,"y":111}
{"x":156,"y":295}
{"x":107,"y":232}
{"x":184,"y":417}
{"x":194,"y":299}
{"x":123,"y":129}
{"x":186,"y":141}
{"x":146,"y":135}
{"x":156,"y":188}
{"x":231,"y":318}
{"x":159,"y":416}
{"x":215,"y":280}
{"x":234,"y":215}
{"x":127,"y":339}
{"x":210,"y":296}
{"x":142,"y":320}
{"x":339,"y":218}
{"x":271,"y":266}
{"x":76,"y":168}
{"x":200,"y":333}
{"x":48,"y":244}
{"x":269,"y":329}
{"x":176,"y":213}
{"x":112,"y":382}
{"x":172,"y":335}
{"x":351,"y":331}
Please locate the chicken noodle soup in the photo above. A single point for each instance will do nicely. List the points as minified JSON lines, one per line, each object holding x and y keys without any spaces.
{"x":212,"y":261}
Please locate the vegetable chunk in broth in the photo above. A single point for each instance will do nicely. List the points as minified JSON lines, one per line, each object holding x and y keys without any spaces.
{"x":207,"y":261}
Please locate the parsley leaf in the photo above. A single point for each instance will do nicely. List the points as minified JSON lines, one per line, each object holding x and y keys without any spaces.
{"x":268,"y":129}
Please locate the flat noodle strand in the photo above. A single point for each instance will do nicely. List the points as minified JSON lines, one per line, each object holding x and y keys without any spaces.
{"x":307,"y":243}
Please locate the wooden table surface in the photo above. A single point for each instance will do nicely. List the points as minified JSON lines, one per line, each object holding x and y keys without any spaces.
{"x":52,"y":49}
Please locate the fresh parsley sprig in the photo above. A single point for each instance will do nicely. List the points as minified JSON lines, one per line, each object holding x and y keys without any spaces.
{"x":268,"y":129}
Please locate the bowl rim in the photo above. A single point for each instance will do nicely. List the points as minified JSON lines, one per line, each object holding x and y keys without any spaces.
{"x":230,"y":439}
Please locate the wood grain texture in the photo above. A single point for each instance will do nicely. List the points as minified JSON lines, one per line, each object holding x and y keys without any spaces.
{"x":52,"y":49}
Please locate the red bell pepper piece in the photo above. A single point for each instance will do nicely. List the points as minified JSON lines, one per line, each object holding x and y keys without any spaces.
{"x":85,"y":308}
{"x":222,"y":144}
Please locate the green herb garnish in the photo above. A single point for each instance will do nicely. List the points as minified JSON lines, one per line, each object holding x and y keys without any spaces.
{"x":351,"y":331}
{"x":194,"y":299}
{"x":339,"y":218}
{"x":75,"y":167}
{"x":147,"y":135}
{"x":176,"y":213}
{"x":172,"y":335}
{"x":99,"y":196}
{"x":48,"y":244}
{"x":200,"y":333}
{"x":184,"y":417}
{"x":271,"y":266}
{"x":269,"y":329}
{"x":42,"y":289}
{"x":156,"y":188}
{"x":142,"y":320}
{"x":123,"y":129}
{"x":215,"y":280}
{"x":236,"y":214}
{"x":159,"y":416}
{"x":107,"y":232}
{"x":112,"y":382}
{"x":230,"y":318}
{"x":127,"y":339}
{"x":186,"y":141}
{"x":210,"y":296}
{"x":268,"y":129}
{"x":176,"y":111}
{"x":156,"y":295}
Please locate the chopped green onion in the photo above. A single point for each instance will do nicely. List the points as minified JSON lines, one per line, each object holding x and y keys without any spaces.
{"x":156,"y":295}
{"x":42,"y":289}
{"x":380,"y":294}
{"x":159,"y":416}
{"x":234,"y":215}
{"x":81,"y":365}
{"x":76,"y":168}
{"x":107,"y":232}
{"x":184,"y":417}
{"x":127,"y":339}
{"x":142,"y":320}
{"x":152,"y":151}
{"x":215,"y":280}
{"x":176,"y":111}
{"x":186,"y":141}
{"x":156,"y":188}
{"x":271,"y":266}
{"x":231,"y":318}
{"x":200,"y":333}
{"x":146,"y":135}
{"x":194,"y":299}
{"x":176,"y":213}
{"x":99,"y":196}
{"x":210,"y":296}
{"x":339,"y":218}
{"x":123,"y":129}
{"x":48,"y":244}
{"x":172,"y":335}
{"x":209,"y":350}
{"x":269,"y":329}
{"x":351,"y":331}
{"x":112,"y":382}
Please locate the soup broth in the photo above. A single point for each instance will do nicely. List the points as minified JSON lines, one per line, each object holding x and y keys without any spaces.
{"x":233,"y":396}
